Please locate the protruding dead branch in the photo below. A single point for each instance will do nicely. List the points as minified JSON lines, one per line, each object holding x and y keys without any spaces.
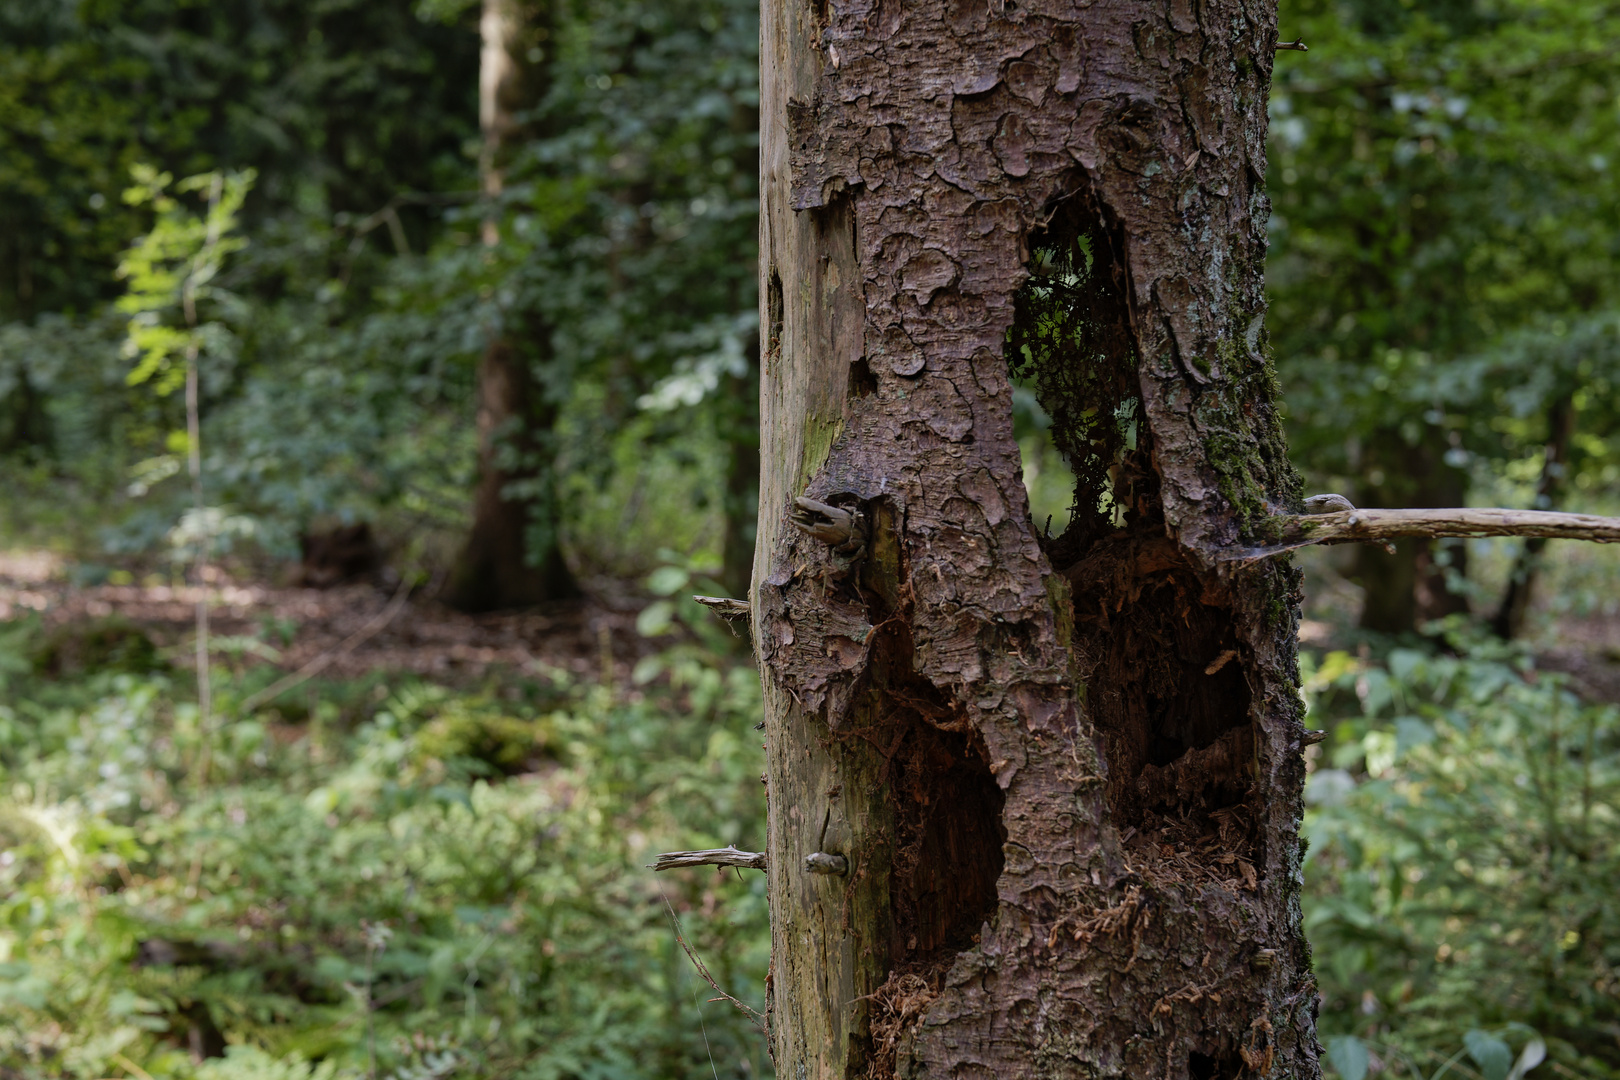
{"x":726,"y":856}
{"x":724,"y":606}
{"x":1373,"y":526}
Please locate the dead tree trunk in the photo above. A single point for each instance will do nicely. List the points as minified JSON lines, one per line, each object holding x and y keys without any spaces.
{"x":513,"y":555}
{"x":1062,"y":773}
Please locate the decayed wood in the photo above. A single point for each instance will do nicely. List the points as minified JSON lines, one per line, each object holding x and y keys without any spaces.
{"x":1348,"y":526}
{"x":726,"y":856}
{"x":944,"y":705}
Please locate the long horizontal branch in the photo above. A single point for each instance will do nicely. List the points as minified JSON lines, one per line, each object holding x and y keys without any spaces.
{"x":1350,"y":526}
{"x":726,"y":856}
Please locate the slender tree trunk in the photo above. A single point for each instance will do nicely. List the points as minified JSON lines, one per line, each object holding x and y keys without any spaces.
{"x":513,"y":555}
{"x":1063,"y":776}
{"x":1514,"y":609}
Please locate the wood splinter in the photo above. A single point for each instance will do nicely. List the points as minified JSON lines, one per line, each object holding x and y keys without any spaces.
{"x":726,"y":856}
{"x":1297,"y":45}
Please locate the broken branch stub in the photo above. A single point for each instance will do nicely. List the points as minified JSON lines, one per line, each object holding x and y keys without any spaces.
{"x":724,"y":606}
{"x":832,"y":525}
{"x":823,"y":863}
{"x":726,"y":856}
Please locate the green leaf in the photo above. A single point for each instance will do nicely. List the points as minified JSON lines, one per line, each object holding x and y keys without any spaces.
{"x":667,"y":580}
{"x":1490,"y":1053}
{"x":1348,"y":1056}
{"x":1410,"y":732}
{"x":1403,"y":663}
{"x":656,"y":618}
{"x":1533,"y":1054}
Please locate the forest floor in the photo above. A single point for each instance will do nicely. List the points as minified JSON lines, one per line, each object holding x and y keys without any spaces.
{"x":351,"y":624}
{"x":294,"y":627}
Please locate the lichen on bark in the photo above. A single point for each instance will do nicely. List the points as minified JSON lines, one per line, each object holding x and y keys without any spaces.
{"x":1066,"y":770}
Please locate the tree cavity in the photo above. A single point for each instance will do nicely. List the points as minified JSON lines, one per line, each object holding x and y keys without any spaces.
{"x":1166,"y":687}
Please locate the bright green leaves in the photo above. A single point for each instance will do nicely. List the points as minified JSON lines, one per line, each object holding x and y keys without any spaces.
{"x":1462,"y":857}
{"x":172,"y":269}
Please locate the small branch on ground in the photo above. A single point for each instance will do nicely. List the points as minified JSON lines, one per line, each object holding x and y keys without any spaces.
{"x":726,"y":856}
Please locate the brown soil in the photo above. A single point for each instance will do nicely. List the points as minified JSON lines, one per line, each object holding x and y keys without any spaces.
{"x":424,"y":638}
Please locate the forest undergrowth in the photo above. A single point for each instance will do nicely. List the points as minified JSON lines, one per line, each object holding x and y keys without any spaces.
{"x":409,"y":879}
{"x":392,"y":875}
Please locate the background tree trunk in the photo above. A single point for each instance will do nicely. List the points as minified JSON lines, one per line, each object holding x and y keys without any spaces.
{"x":1412,"y":585}
{"x":1065,"y":774}
{"x":513,"y":555}
{"x":1511,"y":613}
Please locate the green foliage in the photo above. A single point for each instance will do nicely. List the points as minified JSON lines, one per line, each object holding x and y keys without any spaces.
{"x":1463,"y":853}
{"x":389,"y":879}
{"x":74,"y":650}
{"x":343,"y":384}
{"x":1445,"y":226}
{"x":171,"y":269}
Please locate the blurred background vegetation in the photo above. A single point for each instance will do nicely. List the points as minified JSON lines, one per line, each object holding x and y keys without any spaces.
{"x":459,"y":351}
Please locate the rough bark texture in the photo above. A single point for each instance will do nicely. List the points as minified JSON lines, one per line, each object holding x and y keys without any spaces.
{"x":512,"y":557}
{"x":741,"y":431}
{"x":1065,"y":771}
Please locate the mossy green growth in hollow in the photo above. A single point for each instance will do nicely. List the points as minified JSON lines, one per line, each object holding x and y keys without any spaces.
{"x":819,"y":435}
{"x":1061,"y":596}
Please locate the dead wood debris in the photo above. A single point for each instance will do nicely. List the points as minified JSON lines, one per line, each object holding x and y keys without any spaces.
{"x":726,"y":856}
{"x":901,"y":999}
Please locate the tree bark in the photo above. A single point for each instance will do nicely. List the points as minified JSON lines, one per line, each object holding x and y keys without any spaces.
{"x":1064,"y":774}
{"x":513,"y":555}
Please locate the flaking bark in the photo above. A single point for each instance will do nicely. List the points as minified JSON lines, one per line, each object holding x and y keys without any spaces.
{"x":1071,"y":851}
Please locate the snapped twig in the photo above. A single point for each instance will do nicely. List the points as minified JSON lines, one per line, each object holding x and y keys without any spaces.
{"x":757,"y":1017}
{"x":724,"y":606}
{"x":726,"y":856}
{"x":732,"y":611}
